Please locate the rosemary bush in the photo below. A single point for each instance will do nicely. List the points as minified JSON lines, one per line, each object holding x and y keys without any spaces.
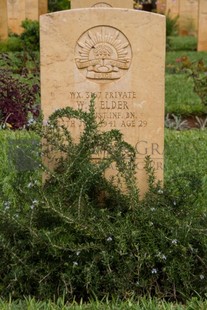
{"x":81,"y":236}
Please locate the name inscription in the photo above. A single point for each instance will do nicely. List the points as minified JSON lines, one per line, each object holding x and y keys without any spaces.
{"x":115,"y":109}
{"x":120,"y":110}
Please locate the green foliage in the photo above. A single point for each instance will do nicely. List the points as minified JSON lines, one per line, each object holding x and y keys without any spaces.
{"x":198,"y":72}
{"x":58,"y":5}
{"x":181,"y":43}
{"x":12,"y":44}
{"x":80,"y":236}
{"x":173,"y":66}
{"x":185,"y":84}
{"x":171,"y":25}
{"x":180,"y":97}
{"x":108,"y":145}
{"x":105,"y":304}
{"x":30,"y":36}
{"x":191,"y":156}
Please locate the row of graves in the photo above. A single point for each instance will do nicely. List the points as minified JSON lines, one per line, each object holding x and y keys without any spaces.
{"x":192,"y":14}
{"x":192,"y":17}
{"x":13,"y":12}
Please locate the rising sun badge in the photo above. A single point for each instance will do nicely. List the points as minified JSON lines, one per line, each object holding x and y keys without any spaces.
{"x":103,"y":53}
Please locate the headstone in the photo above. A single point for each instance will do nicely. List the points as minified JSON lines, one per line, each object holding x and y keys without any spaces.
{"x":119,"y":56}
{"x":188,"y":17}
{"x":202,"y":26}
{"x":43,"y":7}
{"x":3,"y":20}
{"x":16,"y":14}
{"x":173,"y":8}
{"x":32,"y":9}
{"x":77,"y":4}
{"x":161,"y":6}
{"x":19,"y":10}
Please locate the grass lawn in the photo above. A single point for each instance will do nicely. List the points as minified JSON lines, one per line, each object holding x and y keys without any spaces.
{"x":142,"y":304}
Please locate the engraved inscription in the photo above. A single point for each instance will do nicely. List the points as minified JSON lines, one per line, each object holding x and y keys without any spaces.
{"x":192,"y":1}
{"x":101,"y":5}
{"x":12,"y":2}
{"x":115,"y":108}
{"x":103,"y":54}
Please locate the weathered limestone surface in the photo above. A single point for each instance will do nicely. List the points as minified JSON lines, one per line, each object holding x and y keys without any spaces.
{"x":16,"y":14}
{"x":119,"y":56}
{"x":43,"y":7}
{"x":19,"y":10}
{"x":202,"y":26}
{"x":3,"y":20}
{"x":99,"y":4}
{"x":173,"y":7}
{"x":161,"y":6}
{"x":32,"y":9}
{"x":188,"y":17}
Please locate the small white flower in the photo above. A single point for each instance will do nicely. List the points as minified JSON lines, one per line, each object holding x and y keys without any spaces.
{"x":35,"y":201}
{"x":75,"y":264}
{"x":163,"y":257}
{"x":30,"y":185}
{"x":174,"y":241}
{"x":153,"y":209}
{"x":6,"y":205}
{"x":174,"y":202}
{"x":160,"y":191}
{"x":45,"y":123}
{"x":154,"y":270}
{"x":202,"y":276}
{"x":78,"y":253}
{"x":109,"y":239}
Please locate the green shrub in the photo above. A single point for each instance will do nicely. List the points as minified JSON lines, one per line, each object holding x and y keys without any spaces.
{"x":58,"y":5}
{"x":180,"y":97}
{"x":12,"y":44}
{"x":80,"y":236}
{"x":180,"y":43}
{"x":30,"y":36}
{"x":198,"y":72}
{"x":171,"y":25}
{"x":18,"y":102}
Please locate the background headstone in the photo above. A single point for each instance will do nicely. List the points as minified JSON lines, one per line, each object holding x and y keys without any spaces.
{"x":32,"y":9}
{"x":76,"y":4}
{"x":3,"y":20}
{"x":202,"y":26}
{"x":19,"y":10}
{"x":119,"y":56}
{"x":173,"y":7}
{"x":16,"y":14}
{"x":43,"y":7}
{"x":161,"y":6}
{"x":188,"y":17}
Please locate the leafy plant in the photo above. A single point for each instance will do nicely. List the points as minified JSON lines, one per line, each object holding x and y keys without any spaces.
{"x":171,"y":25}
{"x":58,"y":5}
{"x":12,"y":44}
{"x":30,"y":36}
{"x":109,"y":147}
{"x":80,"y":236}
{"x":201,"y":123}
{"x":18,"y":101}
{"x":173,"y":121}
{"x":198,"y":72}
